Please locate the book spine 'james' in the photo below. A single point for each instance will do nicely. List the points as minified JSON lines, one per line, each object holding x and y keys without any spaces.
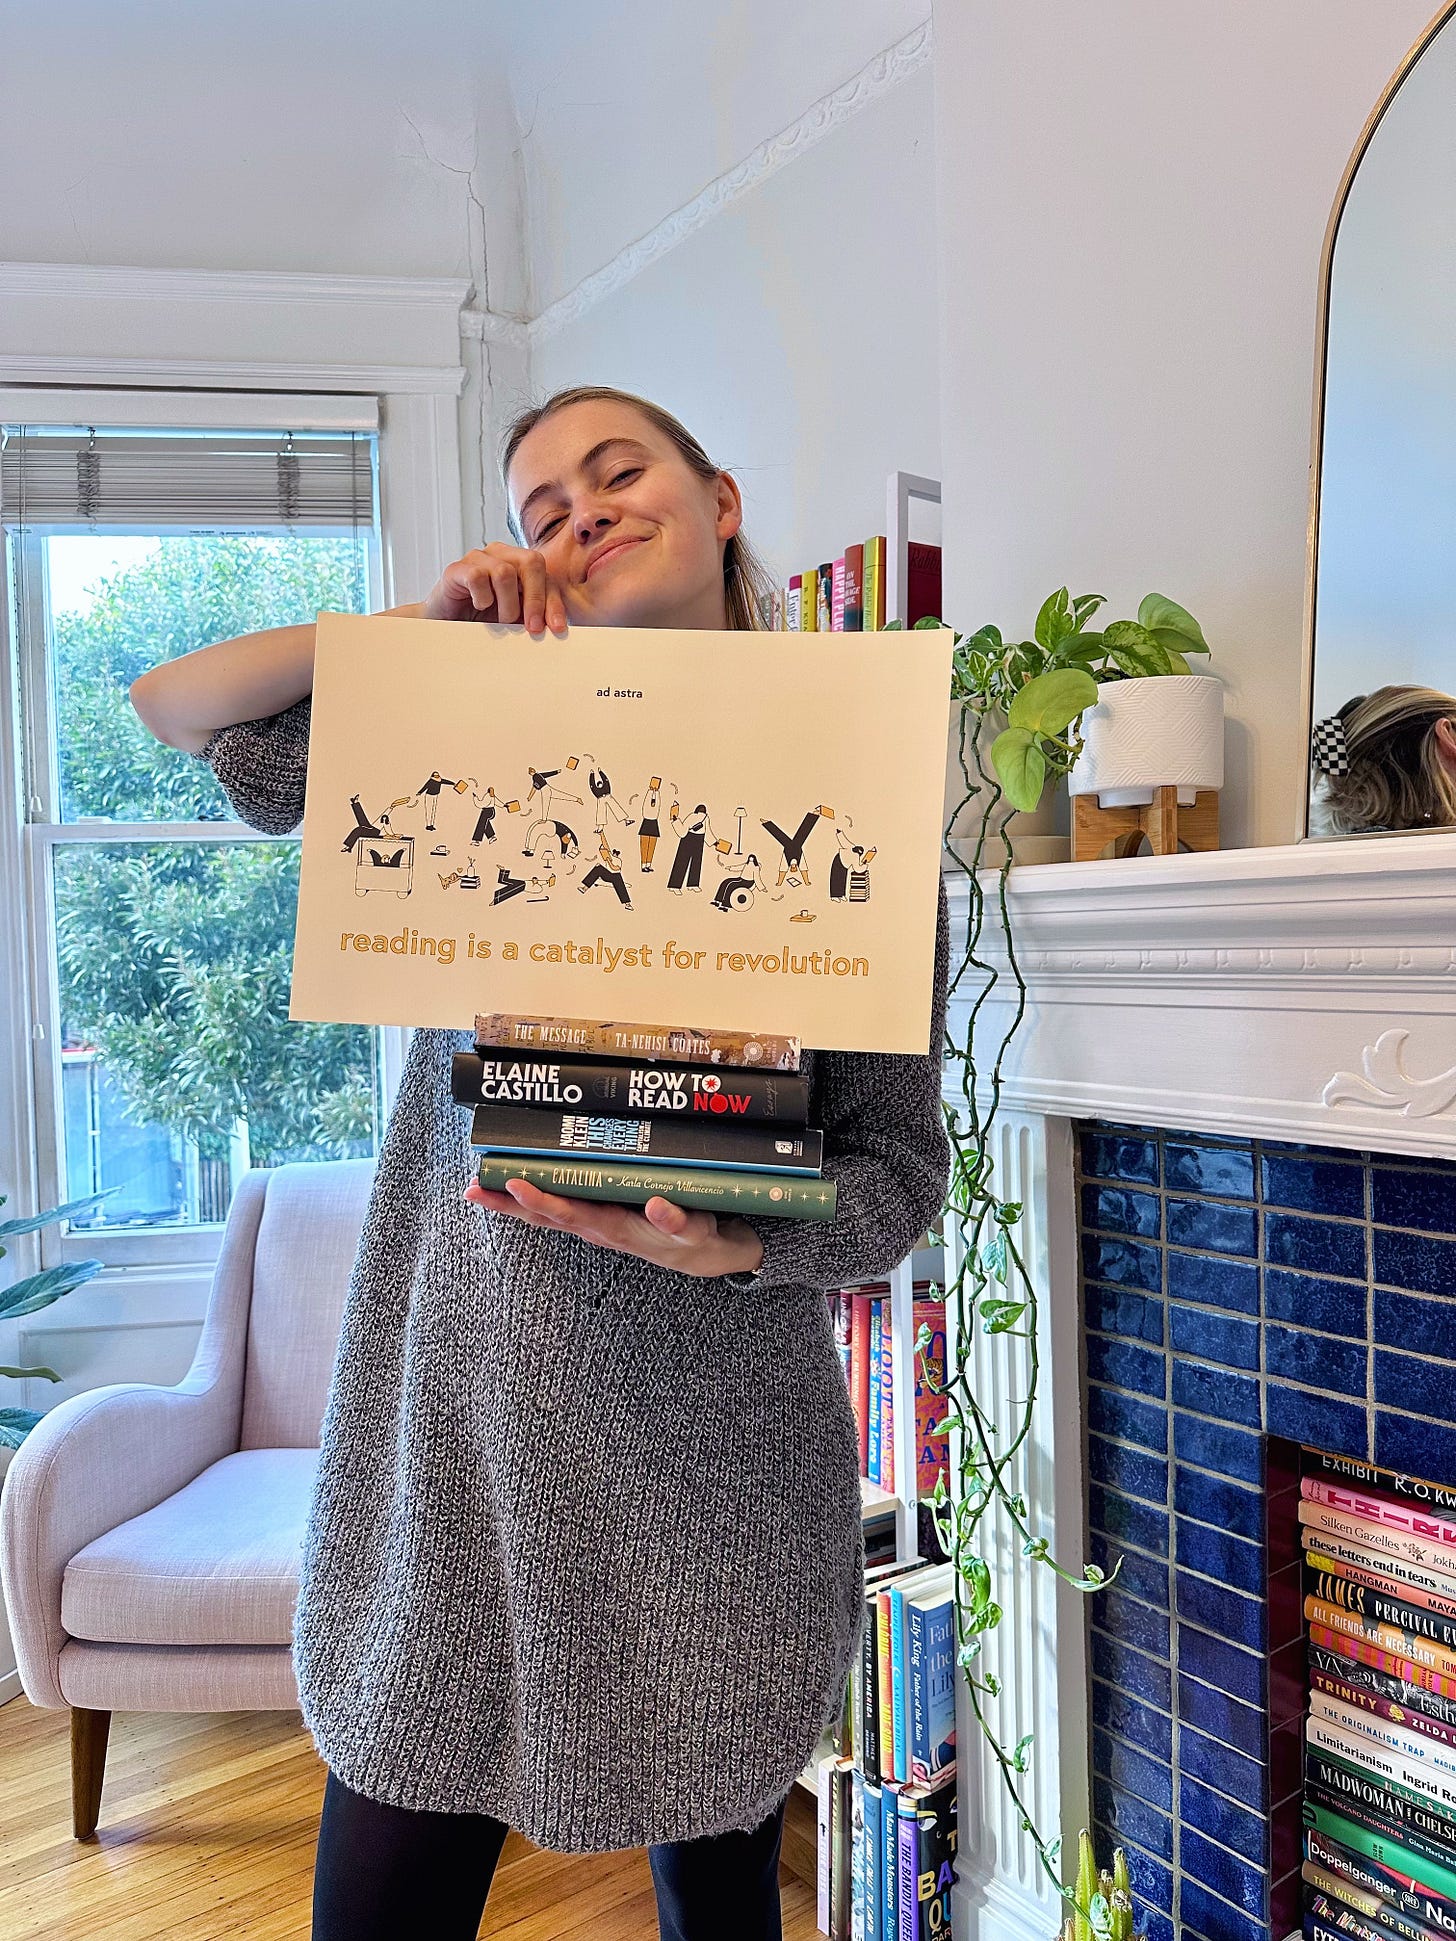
{"x":634,"y":1182}
{"x":712,"y":1095}
{"x":674,"y":1141}
{"x":1333,"y":1587}
{"x":605,"y":1038}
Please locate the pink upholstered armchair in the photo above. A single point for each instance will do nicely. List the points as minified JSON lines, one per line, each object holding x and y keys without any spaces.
{"x":150,"y":1537}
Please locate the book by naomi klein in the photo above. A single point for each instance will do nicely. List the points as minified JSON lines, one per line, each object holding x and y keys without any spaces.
{"x":636,"y":823}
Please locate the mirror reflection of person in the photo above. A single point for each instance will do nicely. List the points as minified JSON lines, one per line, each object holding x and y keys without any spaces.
{"x":585,"y":1548}
{"x":1386,"y":760}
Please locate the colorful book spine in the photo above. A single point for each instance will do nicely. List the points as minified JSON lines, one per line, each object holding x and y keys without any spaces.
{"x":1372,"y":1537}
{"x":857,"y":1851}
{"x":794,"y":605}
{"x":897,"y":1681}
{"x":1425,"y":1876}
{"x":1359,"y":1475}
{"x":1394,"y":1639}
{"x":1337,"y":1656}
{"x":1419,"y":1586}
{"x":824,"y":587}
{"x":609,"y":1038}
{"x":887,"y":1408}
{"x":889,"y":1859}
{"x":874,"y":584}
{"x":1344,"y":1906}
{"x":867,"y":1745}
{"x":1397,"y":1891}
{"x":1387,"y":1512}
{"x":874,"y":1920}
{"x":836,"y":595}
{"x":823,"y":1841}
{"x":931,"y":1407}
{"x":1389,"y":1754}
{"x":634,"y":1182}
{"x":1379,"y":1603}
{"x":797,"y":1151}
{"x":1381,"y":1710}
{"x":862,"y":1309}
{"x":876,"y":1355}
{"x":935,"y":1855}
{"x":931,"y":1632}
{"x":842,"y":1851}
{"x":711,"y":1094}
{"x":854,"y":589}
{"x":809,"y":608}
{"x":1378,"y":1806}
{"x":885,"y":1645}
{"x":905,"y":1866}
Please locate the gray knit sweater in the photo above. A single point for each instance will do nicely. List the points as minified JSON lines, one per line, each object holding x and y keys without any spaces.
{"x":585,"y":1548}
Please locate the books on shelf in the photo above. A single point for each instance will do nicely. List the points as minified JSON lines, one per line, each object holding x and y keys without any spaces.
{"x":1379,"y":1576}
{"x":622,"y":1114}
{"x":847,"y":594}
{"x":866,"y":1345}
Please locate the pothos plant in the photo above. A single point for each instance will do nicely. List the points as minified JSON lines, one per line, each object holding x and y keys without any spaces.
{"x":1038,"y":689}
{"x":34,"y":1292}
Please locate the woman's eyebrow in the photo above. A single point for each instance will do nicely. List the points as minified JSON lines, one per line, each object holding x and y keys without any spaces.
{"x":554,"y":485}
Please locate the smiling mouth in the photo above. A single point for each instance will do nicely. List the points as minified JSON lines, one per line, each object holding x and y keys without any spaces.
{"x":617,"y":546}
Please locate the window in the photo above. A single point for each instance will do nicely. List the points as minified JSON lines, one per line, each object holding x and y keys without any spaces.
{"x":161,"y":929}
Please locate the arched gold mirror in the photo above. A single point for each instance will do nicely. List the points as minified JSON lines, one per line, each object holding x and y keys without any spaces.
{"x":1382,"y":605}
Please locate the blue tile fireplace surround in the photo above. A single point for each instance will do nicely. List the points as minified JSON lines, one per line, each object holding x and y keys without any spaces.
{"x":1240,"y":1298}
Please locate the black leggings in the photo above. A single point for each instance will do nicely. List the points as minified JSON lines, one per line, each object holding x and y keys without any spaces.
{"x":381,"y":1869}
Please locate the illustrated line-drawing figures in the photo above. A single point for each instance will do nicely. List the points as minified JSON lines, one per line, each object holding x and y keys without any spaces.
{"x":384,"y":855}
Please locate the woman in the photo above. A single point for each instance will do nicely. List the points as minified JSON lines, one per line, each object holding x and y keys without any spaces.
{"x":1387,"y":760}
{"x":585,"y":1554}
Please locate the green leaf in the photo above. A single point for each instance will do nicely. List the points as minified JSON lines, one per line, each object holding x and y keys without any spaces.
{"x":1128,"y":634}
{"x":928,"y":620}
{"x":1085,"y":605}
{"x":27,"y":1296}
{"x":1023,"y":1746}
{"x":38,"y":1220}
{"x":1054,"y":622}
{"x":998,"y":1316}
{"x":1020,"y":767}
{"x":1157,"y":610}
{"x":993,"y":1256}
{"x":16,"y":1425}
{"x":1175,"y":643}
{"x":1052,"y":701}
{"x":31,"y":1374}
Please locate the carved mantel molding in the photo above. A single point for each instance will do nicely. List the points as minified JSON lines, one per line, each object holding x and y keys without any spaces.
{"x":1306,"y":992}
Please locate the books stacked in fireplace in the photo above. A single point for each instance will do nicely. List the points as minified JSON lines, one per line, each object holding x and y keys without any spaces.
{"x":1380,"y":1739}
{"x":597,"y":1110}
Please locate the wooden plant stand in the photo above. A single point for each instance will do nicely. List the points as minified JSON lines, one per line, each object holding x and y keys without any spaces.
{"x":1167,"y":827}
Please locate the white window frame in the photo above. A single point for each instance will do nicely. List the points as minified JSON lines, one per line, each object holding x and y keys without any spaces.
{"x":420,"y":529}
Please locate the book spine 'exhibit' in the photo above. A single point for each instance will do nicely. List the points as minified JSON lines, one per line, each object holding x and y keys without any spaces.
{"x":711,"y":1093}
{"x":607,"y":1038}
{"x":774,"y":1195}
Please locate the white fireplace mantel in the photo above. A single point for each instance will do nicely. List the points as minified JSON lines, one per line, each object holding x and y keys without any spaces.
{"x":1303,"y":993}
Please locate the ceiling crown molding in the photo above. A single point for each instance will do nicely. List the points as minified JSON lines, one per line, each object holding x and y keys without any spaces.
{"x":119,"y":282}
{"x":886,"y":70}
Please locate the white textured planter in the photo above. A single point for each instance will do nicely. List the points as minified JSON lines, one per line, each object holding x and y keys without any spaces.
{"x":1159,"y":731}
{"x":1040,"y":836}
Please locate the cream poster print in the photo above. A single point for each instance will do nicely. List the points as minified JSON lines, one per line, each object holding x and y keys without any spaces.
{"x":740,"y":830}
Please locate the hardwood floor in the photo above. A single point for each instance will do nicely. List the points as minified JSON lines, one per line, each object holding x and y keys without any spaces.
{"x":207,"y":1832}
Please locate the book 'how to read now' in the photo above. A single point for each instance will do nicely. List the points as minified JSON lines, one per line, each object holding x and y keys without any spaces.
{"x":635,"y":823}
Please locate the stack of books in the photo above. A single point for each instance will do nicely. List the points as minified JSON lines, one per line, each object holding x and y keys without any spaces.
{"x":847,"y":594}
{"x":598,"y":1110}
{"x":1380,"y":1739}
{"x":887,"y":1804}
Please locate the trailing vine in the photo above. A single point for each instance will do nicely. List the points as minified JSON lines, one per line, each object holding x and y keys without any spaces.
{"x":1037,"y":692}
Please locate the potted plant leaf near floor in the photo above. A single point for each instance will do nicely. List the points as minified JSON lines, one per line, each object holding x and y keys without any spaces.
{"x":1025,"y":714}
{"x":27,"y":1297}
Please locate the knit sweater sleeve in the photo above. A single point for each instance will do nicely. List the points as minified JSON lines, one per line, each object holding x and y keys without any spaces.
{"x":885,"y":1148}
{"x":263,"y":765}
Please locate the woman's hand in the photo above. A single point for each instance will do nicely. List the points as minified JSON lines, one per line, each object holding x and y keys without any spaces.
{"x":687,"y":1240}
{"x":498,"y":582}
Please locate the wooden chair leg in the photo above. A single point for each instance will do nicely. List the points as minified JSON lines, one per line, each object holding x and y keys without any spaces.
{"x":89,"y":1732}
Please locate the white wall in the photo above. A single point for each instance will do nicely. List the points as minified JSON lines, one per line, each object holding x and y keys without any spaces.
{"x":1132,"y":202}
{"x":795,"y":334}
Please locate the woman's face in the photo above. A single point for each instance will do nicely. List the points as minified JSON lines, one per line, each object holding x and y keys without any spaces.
{"x":629,"y":532}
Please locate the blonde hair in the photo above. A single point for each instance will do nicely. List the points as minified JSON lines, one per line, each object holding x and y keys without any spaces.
{"x":746,"y":580}
{"x":1397,"y":778}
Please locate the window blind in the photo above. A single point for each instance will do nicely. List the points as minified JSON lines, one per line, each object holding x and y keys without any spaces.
{"x":228,"y":481}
